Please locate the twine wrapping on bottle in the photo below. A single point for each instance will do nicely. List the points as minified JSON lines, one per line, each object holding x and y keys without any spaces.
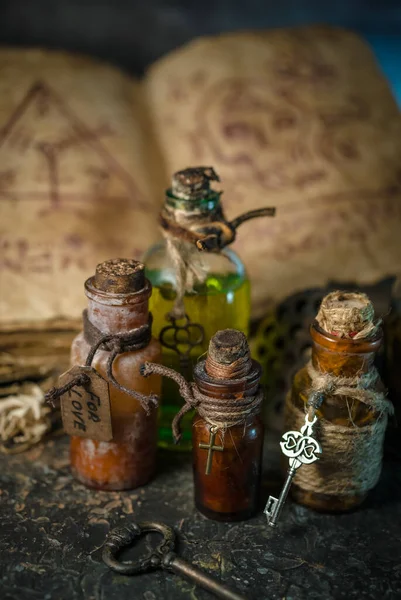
{"x":348,"y":315}
{"x":237,"y":369}
{"x":115,"y":344}
{"x":360,"y":387}
{"x":351,"y":456}
{"x":195,"y":228}
{"x":188,"y":262}
{"x":219,"y":413}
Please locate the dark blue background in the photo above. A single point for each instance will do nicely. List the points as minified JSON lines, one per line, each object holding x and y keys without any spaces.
{"x":134,"y":33}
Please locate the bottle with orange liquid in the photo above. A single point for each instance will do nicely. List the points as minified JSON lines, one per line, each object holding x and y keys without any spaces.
{"x":118,"y":303}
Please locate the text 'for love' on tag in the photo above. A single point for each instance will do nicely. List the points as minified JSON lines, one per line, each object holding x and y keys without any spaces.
{"x":85,"y":410}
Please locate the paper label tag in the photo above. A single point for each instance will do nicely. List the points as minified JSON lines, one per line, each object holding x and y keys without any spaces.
{"x":86,"y":410}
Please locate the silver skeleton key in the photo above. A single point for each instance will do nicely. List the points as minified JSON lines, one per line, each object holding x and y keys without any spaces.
{"x":302,"y":449}
{"x":162,"y":557}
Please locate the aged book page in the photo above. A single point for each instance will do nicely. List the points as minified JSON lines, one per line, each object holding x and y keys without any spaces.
{"x":299,"y":119}
{"x":78,"y":181}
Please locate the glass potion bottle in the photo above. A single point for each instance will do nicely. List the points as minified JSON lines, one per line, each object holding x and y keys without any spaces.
{"x":200,"y":285}
{"x":227,"y":461}
{"x":118,"y":302}
{"x":352,"y":414}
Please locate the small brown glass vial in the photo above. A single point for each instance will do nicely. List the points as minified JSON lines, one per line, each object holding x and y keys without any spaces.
{"x":118,"y":297}
{"x":348,"y":356}
{"x":227,"y":461}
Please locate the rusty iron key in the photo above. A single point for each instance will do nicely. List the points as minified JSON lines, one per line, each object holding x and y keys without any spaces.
{"x":162,"y":557}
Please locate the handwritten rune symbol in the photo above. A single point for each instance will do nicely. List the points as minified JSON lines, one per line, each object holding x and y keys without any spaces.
{"x":25,"y":137}
{"x":302,"y":449}
{"x":211,"y":448}
{"x":182,"y":338}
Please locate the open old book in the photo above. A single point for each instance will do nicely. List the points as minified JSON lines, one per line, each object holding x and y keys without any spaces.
{"x":300,"y":119}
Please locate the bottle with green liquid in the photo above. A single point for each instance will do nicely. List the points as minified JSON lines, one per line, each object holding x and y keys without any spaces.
{"x":200,"y":286}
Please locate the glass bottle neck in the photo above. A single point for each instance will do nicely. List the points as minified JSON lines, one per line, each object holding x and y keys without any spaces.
{"x":208,"y":203}
{"x":343,"y":357}
{"x":219,"y":388}
{"x":119,"y":318}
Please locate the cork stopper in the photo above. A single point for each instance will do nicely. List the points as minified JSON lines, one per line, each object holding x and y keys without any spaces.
{"x":228,"y":355}
{"x":348,"y":315}
{"x":193,"y":183}
{"x":120,"y":276}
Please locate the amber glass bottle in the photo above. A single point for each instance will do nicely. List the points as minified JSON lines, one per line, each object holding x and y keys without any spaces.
{"x":227,"y":462}
{"x":118,"y":298}
{"x":339,"y":357}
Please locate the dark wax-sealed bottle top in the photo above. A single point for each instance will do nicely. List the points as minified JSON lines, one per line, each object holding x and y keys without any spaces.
{"x":227,"y":346}
{"x":228,"y":368}
{"x":193,"y":183}
{"x":120,"y":276}
{"x":228,"y":355}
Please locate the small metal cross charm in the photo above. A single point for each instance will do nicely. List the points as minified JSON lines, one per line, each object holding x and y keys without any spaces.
{"x":302,"y":449}
{"x":211,"y":448}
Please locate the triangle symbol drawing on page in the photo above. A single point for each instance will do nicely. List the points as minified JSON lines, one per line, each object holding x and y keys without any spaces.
{"x":48,"y":154}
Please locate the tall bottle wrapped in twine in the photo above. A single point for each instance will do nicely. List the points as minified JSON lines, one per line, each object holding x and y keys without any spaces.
{"x":341,"y":386}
